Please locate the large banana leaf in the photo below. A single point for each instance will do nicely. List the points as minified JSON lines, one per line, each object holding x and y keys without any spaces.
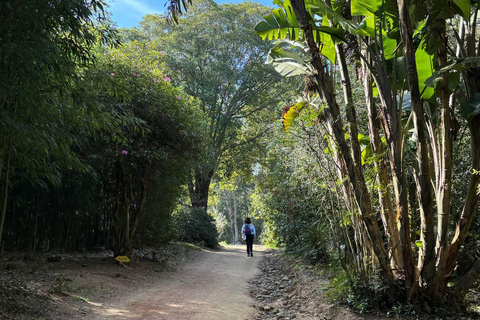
{"x":280,"y":24}
{"x":424,"y":62}
{"x":464,"y":6}
{"x":288,"y":63}
{"x":290,"y":68}
{"x":321,"y":9}
{"x":369,"y":8}
{"x":365,"y":7}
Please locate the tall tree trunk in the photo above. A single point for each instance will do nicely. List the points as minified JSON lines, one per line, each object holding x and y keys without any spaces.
{"x":386,"y":206}
{"x":235,"y":216}
{"x":199,"y":187}
{"x":424,"y":191}
{"x":116,"y":235}
{"x":444,"y":184}
{"x":333,"y":115}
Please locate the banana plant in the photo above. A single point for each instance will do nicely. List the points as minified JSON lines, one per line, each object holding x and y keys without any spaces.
{"x":287,"y":61}
{"x":405,"y":50}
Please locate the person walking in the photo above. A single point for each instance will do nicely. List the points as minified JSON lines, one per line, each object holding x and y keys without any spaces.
{"x":248,"y":233}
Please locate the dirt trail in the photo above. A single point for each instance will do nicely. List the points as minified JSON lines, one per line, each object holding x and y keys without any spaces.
{"x":213,"y":285}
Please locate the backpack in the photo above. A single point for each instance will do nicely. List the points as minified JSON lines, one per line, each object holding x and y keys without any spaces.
{"x":247,"y":230}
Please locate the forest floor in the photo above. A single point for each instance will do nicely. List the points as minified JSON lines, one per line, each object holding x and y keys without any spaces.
{"x":179,"y":282}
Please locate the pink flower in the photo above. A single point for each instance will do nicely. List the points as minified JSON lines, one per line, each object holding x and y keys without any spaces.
{"x":179,"y":98}
{"x":213,"y":153}
{"x":112,"y":74}
{"x":155,"y":80}
{"x":124,"y":152}
{"x":137,"y":75}
{"x":138,"y":64}
{"x":166,"y":78}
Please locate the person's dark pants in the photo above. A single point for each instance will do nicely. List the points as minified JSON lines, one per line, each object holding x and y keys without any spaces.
{"x":249,"y":241}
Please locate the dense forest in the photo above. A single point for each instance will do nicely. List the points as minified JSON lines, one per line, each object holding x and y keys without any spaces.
{"x":173,"y":131}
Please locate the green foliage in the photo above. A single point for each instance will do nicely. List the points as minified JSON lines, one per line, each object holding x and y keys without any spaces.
{"x":228,"y":76}
{"x":153,"y":131}
{"x":196,"y":226}
{"x":313,"y":243}
{"x":42,"y":102}
{"x":339,"y":288}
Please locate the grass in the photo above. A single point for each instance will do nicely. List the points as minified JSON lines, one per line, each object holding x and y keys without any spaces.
{"x":189,"y":246}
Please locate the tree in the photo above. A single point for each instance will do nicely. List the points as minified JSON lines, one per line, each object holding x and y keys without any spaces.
{"x":160,"y":132}
{"x":415,"y":128}
{"x":231,"y":204}
{"x":43,"y":46}
{"x":227,"y":75}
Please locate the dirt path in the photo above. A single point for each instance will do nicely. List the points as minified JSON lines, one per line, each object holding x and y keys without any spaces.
{"x":213,"y":285}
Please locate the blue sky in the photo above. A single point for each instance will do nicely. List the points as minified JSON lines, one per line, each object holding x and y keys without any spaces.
{"x":128,"y":13}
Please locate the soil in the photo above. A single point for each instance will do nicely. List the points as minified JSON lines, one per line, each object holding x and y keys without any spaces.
{"x":286,"y":291}
{"x":178,"y":283}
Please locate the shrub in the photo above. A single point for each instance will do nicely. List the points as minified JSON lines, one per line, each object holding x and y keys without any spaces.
{"x":196,"y":226}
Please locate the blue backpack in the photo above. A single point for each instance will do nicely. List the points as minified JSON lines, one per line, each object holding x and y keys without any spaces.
{"x":247,"y":230}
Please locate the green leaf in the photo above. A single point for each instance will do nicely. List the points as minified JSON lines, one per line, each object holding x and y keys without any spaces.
{"x":389,"y":46}
{"x":320,"y":8}
{"x":464,"y":6}
{"x":280,"y":24}
{"x":471,"y":107}
{"x":329,"y":53}
{"x":366,"y":153}
{"x":335,"y":33}
{"x":365,"y":7}
{"x":290,"y":113}
{"x":276,"y":54}
{"x":366,"y":28}
{"x":424,"y":63}
{"x":290,"y":68}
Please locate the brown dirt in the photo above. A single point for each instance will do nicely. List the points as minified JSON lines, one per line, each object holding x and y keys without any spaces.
{"x":175,"y":283}
{"x":208,"y":284}
{"x":285,"y":291}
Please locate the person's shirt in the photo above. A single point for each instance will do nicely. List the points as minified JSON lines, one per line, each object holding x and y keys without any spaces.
{"x":251,"y":226}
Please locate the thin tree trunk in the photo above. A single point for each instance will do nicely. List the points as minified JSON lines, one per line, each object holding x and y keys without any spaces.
{"x":386,"y":206}
{"x":427,"y":254}
{"x":116,"y":231}
{"x":235,"y":228}
{"x":141,"y":203}
{"x":230,"y":215}
{"x":445,"y":183}
{"x":4,"y":197}
{"x":326,"y":93}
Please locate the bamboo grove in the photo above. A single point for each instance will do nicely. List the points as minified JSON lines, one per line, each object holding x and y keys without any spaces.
{"x":419,"y":66}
